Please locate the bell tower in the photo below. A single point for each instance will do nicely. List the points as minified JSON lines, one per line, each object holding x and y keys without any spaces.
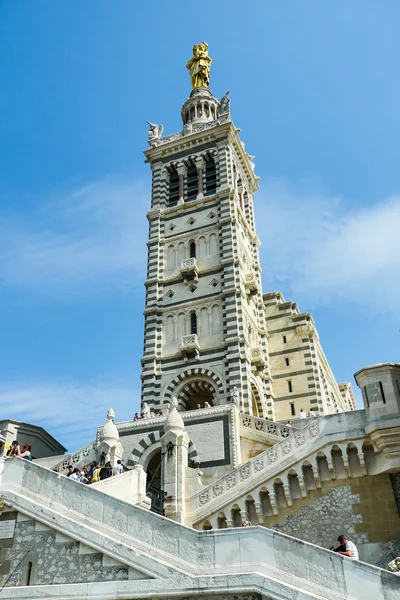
{"x":205,"y":338}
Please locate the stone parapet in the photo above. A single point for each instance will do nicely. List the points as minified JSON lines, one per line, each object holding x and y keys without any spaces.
{"x":176,"y":561}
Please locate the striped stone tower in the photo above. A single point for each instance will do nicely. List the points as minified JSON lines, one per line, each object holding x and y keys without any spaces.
{"x":205,"y":335}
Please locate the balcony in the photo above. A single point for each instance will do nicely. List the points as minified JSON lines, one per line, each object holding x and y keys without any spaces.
{"x":189,"y":270}
{"x":190,"y":347}
{"x":257,"y":358}
{"x":250,"y":282}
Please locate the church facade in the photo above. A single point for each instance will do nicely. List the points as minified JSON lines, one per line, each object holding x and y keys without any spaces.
{"x":225,"y":367}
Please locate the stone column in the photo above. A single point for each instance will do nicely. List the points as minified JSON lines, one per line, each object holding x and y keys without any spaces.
{"x":331,"y":467}
{"x":200,"y":167}
{"x":174,"y":448}
{"x":346,"y":464}
{"x":302,"y":486}
{"x":244,"y":515}
{"x":259,"y":510}
{"x":362,"y":463}
{"x":274,"y":503}
{"x":316,"y":477}
{"x":286,"y":489}
{"x":181,"y":172}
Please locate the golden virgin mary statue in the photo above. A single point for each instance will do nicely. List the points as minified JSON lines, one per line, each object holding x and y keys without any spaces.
{"x":199,"y":66}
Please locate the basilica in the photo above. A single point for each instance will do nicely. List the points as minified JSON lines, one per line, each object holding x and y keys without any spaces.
{"x":249,"y":459}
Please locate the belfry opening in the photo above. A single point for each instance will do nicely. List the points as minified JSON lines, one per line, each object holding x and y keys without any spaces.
{"x":195,"y":393}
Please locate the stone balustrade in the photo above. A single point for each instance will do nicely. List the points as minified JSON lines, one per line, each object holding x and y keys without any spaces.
{"x":176,"y":561}
{"x":296,"y":481}
{"x":181,"y":134}
{"x":83,"y":456}
{"x":252,"y":472}
{"x":270,"y":427}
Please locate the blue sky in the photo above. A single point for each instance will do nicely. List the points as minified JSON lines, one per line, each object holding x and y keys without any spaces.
{"x":314,"y":88}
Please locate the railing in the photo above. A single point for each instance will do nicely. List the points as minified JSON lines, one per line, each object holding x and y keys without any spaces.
{"x":189,"y":269}
{"x":180,"y":134}
{"x":257,"y":356}
{"x":190,"y":341}
{"x":157,"y":497}
{"x":266,"y":426}
{"x":73,"y":459}
{"x":250,"y":281}
{"x":188,"y":264}
{"x":261,"y":464}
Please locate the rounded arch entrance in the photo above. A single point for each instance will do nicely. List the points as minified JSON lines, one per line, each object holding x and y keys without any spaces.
{"x":189,"y":376}
{"x":196,"y":393}
{"x":153,"y":469}
{"x":256,"y":404}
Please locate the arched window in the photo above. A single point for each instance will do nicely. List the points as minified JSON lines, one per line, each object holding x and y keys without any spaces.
{"x":211,"y":177}
{"x":192,"y":182}
{"x":173,"y":189}
{"x":193,"y":322}
{"x":192,"y":250}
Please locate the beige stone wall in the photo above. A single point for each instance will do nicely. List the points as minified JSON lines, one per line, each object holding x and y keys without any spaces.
{"x":363,"y":508}
{"x":302,"y":378}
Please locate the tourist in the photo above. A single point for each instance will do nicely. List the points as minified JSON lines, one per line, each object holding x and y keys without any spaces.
{"x":136,"y":417}
{"x":312,"y":414}
{"x":2,"y":449}
{"x":302,"y":414}
{"x":117,"y":470}
{"x":207,"y":404}
{"x":26,"y":451}
{"x":14,"y":449}
{"x":83,"y":475}
{"x":106,"y":471}
{"x":246,"y":524}
{"x":75,"y":474}
{"x":96,"y":474}
{"x":351,"y":549}
{"x":70,"y":470}
{"x":198,"y":406}
{"x":90,"y":470}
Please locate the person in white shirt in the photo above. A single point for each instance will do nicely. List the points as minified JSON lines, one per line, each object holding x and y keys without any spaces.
{"x":311,"y":413}
{"x":302,"y":414}
{"x":351,"y":549}
{"x":75,"y":475}
{"x":117,"y":470}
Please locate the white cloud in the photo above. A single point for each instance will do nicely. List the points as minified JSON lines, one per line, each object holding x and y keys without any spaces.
{"x":69,"y":410}
{"x":320,"y":251}
{"x":89,"y":239}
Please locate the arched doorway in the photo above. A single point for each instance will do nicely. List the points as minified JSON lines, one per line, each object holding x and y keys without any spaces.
{"x":153,"y":469}
{"x":197,"y":393}
{"x":153,"y":482}
{"x":256,"y":404}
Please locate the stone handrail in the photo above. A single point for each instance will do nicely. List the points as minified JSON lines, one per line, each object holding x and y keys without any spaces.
{"x":231,"y":484}
{"x":266,"y":426}
{"x":180,"y":134}
{"x":177,"y":558}
{"x":74,"y":459}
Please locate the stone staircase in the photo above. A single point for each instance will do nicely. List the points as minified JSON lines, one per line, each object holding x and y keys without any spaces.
{"x":176,"y":561}
{"x":290,"y":469}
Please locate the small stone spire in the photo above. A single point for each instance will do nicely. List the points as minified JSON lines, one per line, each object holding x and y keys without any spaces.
{"x":174,"y":421}
{"x":109,"y":431}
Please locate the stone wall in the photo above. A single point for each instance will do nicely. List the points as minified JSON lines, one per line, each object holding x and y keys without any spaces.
{"x":363,"y":508}
{"x":55,"y":559}
{"x":395,"y":480}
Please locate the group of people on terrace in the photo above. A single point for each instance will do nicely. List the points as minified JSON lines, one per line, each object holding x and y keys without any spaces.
{"x":94,"y":472}
{"x":15,"y":449}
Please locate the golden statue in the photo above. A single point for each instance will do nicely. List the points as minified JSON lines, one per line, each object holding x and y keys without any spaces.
{"x":199,"y":66}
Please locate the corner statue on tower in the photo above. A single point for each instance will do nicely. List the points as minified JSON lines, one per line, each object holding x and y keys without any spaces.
{"x":199,"y":66}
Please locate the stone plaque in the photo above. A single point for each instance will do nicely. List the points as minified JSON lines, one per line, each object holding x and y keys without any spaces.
{"x":7,"y":529}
